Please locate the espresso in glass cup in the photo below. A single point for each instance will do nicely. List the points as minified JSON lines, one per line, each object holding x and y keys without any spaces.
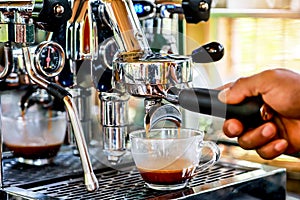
{"x":168,"y":158}
{"x":36,"y":137}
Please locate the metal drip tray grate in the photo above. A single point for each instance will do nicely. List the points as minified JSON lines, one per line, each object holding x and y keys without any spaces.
{"x":119,"y":184}
{"x":63,"y":180}
{"x":65,"y":165}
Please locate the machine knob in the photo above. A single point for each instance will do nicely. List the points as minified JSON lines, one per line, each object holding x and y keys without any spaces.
{"x":207,"y":53}
{"x":54,"y":14}
{"x":196,"y":11}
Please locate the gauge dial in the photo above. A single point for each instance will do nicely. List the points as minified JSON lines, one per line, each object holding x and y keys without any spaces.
{"x":50,"y":58}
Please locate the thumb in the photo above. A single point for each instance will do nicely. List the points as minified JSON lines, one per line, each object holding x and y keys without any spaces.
{"x":242,"y":88}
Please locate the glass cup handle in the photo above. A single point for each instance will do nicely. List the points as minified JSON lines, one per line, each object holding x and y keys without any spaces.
{"x":216,"y":156}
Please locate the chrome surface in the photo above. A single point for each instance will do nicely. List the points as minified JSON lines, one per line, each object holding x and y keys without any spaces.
{"x":152,"y":102}
{"x":82,"y":98}
{"x":128,"y":33}
{"x":31,"y":70}
{"x":89,"y":176}
{"x":81,"y":33}
{"x":114,"y":143}
{"x":107,"y":47}
{"x":154,"y":76}
{"x":114,"y":123}
{"x":114,"y":109}
{"x":162,"y":113}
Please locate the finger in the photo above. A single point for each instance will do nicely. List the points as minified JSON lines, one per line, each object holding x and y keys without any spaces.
{"x":224,"y":86}
{"x":232,"y":128}
{"x":258,"y":137}
{"x":273,"y":149}
{"x":245,"y":87}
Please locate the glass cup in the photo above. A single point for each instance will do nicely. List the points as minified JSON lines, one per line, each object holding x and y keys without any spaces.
{"x":168,"y":158}
{"x":36,"y":137}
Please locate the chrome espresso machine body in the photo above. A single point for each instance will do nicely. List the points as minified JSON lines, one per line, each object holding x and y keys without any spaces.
{"x":98,"y":50}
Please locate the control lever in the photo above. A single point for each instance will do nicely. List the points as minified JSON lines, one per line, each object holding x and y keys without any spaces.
{"x":211,"y":52}
{"x":252,"y":112}
{"x":207,"y":53}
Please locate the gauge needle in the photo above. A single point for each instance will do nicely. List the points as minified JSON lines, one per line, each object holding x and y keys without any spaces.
{"x":48,"y":59}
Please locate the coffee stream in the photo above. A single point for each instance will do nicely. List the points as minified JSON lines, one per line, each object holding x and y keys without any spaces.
{"x":147,"y":128}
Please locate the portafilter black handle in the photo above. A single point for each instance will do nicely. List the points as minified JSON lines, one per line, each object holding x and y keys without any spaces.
{"x":252,"y":112}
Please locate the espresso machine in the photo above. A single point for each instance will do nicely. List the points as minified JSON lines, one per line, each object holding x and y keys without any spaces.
{"x":105,"y":50}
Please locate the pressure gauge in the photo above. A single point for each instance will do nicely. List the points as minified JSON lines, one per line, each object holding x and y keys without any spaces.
{"x":49,"y":58}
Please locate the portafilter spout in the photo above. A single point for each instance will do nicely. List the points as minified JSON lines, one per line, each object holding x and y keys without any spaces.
{"x":160,"y":113}
{"x":90,"y":179}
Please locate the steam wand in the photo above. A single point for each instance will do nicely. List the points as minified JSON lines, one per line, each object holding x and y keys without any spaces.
{"x":59,"y":92}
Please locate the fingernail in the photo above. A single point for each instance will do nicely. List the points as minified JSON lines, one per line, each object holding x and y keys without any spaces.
{"x":268,"y":131}
{"x":280,"y":146}
{"x":233,"y":129}
{"x":223,"y":94}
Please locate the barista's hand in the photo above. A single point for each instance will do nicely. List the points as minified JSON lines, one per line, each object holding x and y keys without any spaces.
{"x":280,"y":89}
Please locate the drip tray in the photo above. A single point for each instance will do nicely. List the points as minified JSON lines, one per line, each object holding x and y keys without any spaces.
{"x":228,"y":179}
